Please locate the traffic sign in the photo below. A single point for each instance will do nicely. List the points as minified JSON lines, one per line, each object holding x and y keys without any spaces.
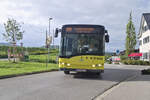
{"x":117,"y":52}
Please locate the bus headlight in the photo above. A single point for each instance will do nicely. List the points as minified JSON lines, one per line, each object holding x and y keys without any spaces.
{"x":99,"y":65}
{"x":62,"y":63}
{"x":68,"y":64}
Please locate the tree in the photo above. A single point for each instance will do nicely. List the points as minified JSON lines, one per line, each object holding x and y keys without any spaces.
{"x":130,"y":36}
{"x":14,"y":33}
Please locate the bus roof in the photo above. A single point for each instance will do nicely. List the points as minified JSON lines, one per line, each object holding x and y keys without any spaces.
{"x":82,"y":25}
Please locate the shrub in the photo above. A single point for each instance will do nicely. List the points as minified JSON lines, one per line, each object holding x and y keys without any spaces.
{"x":140,"y":62}
{"x":124,"y":57}
{"x":147,"y":63}
{"x":135,"y":62}
{"x":109,"y":62}
{"x":129,"y":62}
{"x":125,"y":62}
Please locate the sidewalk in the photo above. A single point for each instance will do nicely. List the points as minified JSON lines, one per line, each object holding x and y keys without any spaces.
{"x":135,"y":89}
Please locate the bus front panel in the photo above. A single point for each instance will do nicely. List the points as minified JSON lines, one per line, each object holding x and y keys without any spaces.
{"x":86,"y":62}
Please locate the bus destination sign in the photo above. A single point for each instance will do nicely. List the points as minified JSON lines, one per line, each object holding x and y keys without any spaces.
{"x":80,"y":30}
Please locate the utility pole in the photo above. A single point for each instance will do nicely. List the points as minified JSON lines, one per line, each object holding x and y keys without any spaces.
{"x":53,"y":37}
{"x":46,"y":42}
{"x":50,"y":40}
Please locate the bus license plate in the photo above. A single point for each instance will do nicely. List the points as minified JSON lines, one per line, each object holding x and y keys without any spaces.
{"x":81,"y":70}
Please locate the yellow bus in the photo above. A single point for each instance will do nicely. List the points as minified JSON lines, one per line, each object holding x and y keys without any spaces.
{"x":82,"y":48}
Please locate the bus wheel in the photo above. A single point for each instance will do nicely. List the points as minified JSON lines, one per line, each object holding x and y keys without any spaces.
{"x":66,"y":72}
{"x":98,"y":73}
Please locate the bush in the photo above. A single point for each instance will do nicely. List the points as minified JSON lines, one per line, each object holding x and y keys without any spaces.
{"x":135,"y":62}
{"x":130,"y":62}
{"x":124,"y":57}
{"x":147,"y":63}
{"x":140,"y":62}
{"x":124,"y":62}
{"x":109,"y":62}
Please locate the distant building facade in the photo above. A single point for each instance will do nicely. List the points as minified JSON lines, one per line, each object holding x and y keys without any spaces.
{"x":124,"y":51}
{"x":144,"y":37}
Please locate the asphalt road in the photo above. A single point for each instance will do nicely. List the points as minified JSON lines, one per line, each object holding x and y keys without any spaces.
{"x":5,"y":59}
{"x":57,"y":86}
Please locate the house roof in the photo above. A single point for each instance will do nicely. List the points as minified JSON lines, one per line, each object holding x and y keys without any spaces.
{"x":147,"y":18}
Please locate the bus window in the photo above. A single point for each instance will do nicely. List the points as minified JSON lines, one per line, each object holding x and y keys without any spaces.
{"x":76,"y":44}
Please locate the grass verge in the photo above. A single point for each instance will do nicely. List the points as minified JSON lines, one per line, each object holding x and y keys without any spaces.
{"x":9,"y":68}
{"x":42,"y":58}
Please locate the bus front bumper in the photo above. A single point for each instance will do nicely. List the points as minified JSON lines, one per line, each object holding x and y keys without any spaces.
{"x":82,"y":70}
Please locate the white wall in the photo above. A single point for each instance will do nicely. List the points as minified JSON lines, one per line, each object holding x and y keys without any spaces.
{"x":145,"y":48}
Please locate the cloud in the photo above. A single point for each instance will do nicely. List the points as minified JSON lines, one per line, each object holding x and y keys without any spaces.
{"x":113,"y":14}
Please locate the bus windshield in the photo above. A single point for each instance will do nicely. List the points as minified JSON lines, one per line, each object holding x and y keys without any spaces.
{"x":82,"y":44}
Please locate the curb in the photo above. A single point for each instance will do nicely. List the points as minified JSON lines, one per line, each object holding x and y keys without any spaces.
{"x":29,"y":73}
{"x":110,"y":89}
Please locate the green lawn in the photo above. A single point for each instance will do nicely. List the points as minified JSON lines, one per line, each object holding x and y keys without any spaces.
{"x":9,"y":68}
{"x":42,"y":58}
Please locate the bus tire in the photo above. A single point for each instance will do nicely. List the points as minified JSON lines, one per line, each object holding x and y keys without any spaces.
{"x":98,"y":73}
{"x":66,"y":72}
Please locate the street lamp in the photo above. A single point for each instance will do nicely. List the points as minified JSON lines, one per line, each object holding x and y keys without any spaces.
{"x":49,"y":43}
{"x":49,"y":24}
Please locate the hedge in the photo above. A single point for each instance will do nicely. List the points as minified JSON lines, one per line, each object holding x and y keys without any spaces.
{"x":135,"y":62}
{"x":31,"y":50}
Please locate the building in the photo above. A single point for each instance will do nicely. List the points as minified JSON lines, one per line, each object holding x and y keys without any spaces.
{"x":124,"y":52}
{"x":144,"y":37}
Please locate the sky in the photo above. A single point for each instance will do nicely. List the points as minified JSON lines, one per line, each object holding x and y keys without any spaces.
{"x":33,"y":15}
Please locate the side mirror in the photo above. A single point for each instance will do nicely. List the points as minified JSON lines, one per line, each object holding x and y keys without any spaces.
{"x":106,"y":36}
{"x":56,"y":32}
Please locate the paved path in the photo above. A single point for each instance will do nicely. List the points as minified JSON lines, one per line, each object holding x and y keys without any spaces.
{"x":3,"y":59}
{"x":57,"y":86}
{"x":135,"y":88}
